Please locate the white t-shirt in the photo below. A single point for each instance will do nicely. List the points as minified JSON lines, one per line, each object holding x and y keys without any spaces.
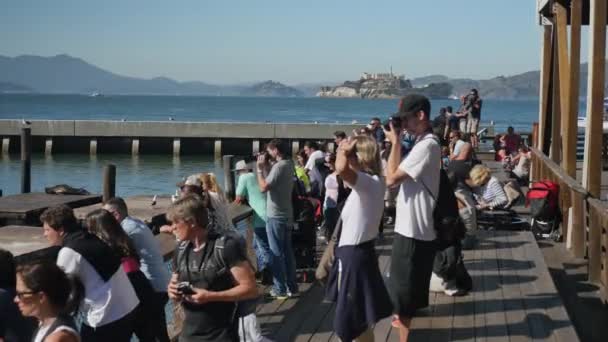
{"x":310,"y":164}
{"x":457,"y":147}
{"x":331,"y":191}
{"x":363,"y":210}
{"x":414,"y":204}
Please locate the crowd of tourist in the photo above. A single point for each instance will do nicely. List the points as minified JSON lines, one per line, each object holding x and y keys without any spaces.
{"x":109,"y":268}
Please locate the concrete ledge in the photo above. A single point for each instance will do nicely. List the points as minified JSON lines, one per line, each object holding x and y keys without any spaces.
{"x":160,"y":129}
{"x":39,"y":127}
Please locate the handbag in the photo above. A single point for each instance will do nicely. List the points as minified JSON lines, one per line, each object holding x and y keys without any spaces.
{"x":328,"y":257}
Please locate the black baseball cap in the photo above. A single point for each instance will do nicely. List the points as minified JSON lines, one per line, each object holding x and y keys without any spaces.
{"x":412,"y":104}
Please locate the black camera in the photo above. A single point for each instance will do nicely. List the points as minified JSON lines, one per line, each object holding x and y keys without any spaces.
{"x":185,"y":288}
{"x":395,"y":119}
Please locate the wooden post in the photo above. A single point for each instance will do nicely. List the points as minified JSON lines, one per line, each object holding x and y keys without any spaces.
{"x":177,"y":146}
{"x":595,"y":235}
{"x":544,"y":85}
{"x":26,"y":160}
{"x":217,"y":150}
{"x":571,"y":127}
{"x":109,"y":182}
{"x":578,"y":225}
{"x":592,"y":164}
{"x":228,"y":177}
{"x":93,"y":147}
{"x":555,"y":152}
{"x":135,"y":147}
{"x":561,"y":21}
{"x":6,"y":142}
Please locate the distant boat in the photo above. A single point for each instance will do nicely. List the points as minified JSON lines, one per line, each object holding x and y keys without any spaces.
{"x":582,"y":120}
{"x":96,"y":94}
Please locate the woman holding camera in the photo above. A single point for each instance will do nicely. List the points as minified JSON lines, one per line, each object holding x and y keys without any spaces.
{"x":211,"y":274}
{"x":355,"y":282}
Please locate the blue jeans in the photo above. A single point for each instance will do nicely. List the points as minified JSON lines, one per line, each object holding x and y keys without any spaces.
{"x":262,"y":250}
{"x":283,"y":263}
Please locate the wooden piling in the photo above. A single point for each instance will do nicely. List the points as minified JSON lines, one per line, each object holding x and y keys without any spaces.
{"x":109,"y":182}
{"x":26,"y":159}
{"x":228,"y":177}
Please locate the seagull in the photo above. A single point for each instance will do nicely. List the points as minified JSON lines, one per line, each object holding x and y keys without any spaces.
{"x":316,"y":122}
{"x":123,"y":119}
{"x":171,"y":118}
{"x":154,"y":201}
{"x":25,"y":122}
{"x":354,"y":122}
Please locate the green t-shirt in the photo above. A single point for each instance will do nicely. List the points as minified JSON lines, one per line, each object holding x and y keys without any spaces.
{"x":248,"y":187}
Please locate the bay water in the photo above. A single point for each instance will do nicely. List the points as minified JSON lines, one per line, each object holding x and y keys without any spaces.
{"x":157,"y":174}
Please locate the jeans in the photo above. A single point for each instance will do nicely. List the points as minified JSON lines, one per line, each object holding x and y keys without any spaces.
{"x":262,"y":250}
{"x":283,"y":263}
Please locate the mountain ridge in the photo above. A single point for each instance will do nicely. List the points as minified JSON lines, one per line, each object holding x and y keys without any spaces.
{"x":63,"y":74}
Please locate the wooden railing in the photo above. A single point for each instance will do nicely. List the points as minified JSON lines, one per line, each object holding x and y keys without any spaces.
{"x":584,"y":219}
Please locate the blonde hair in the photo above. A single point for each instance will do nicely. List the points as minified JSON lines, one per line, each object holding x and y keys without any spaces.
{"x":190,"y":208}
{"x":480,"y":175}
{"x":368,"y":154}
{"x":210,"y":184}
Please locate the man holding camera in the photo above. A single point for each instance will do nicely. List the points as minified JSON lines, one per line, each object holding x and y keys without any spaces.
{"x":418,"y":178}
{"x":279,"y":217}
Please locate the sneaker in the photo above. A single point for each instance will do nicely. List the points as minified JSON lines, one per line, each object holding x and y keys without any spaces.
{"x":452,"y":290}
{"x":277,"y":296}
{"x":292,"y":294}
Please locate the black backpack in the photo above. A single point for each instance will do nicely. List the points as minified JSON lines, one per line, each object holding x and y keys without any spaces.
{"x":448,"y":225}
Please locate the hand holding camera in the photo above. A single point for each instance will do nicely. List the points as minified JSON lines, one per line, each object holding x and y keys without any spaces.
{"x":393,"y":132}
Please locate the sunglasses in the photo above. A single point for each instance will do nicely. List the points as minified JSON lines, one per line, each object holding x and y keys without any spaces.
{"x":22,"y":294}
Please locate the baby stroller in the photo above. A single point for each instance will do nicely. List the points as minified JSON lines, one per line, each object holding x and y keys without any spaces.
{"x":542,"y":198}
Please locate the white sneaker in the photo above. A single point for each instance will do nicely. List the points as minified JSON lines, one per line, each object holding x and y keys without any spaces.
{"x":451,"y":289}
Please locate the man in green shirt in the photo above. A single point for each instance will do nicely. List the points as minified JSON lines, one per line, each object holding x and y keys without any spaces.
{"x":247,"y":189}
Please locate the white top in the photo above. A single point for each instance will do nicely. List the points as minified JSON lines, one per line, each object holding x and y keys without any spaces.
{"x":414,"y":204}
{"x":523,"y":166}
{"x":104,"y":301}
{"x":363,"y":210}
{"x":310,"y":164}
{"x":331,"y":191}
{"x":42,"y":331}
{"x":457,"y":147}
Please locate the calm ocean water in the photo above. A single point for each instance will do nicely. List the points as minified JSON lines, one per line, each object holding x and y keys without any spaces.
{"x":151,"y":174}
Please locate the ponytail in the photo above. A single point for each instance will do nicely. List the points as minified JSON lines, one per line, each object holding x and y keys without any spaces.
{"x":75,"y":297}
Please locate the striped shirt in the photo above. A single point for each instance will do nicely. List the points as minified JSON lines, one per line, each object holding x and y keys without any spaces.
{"x":492,"y":193}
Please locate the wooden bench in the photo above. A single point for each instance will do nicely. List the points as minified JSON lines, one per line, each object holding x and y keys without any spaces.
{"x":25,"y":209}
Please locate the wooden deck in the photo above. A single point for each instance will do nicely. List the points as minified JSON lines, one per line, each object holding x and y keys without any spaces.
{"x":26,"y":208}
{"x":513,"y":299}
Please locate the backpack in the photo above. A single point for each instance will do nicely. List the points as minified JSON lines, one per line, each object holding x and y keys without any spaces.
{"x":446,"y":217}
{"x":542,"y":198}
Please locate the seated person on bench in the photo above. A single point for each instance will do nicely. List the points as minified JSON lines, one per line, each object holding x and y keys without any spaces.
{"x":487,"y":189}
{"x":521,"y":165}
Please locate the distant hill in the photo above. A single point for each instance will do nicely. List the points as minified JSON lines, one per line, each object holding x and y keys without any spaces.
{"x":7,"y":87}
{"x":66,"y":74}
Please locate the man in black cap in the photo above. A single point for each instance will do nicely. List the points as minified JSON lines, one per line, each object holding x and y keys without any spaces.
{"x":418,"y":178}
{"x":472,"y":107}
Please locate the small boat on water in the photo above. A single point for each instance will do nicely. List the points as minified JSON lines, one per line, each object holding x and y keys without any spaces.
{"x":582,"y":120}
{"x":96,"y":94}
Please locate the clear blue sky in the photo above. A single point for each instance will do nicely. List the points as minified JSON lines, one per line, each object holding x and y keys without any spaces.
{"x":290,"y":41}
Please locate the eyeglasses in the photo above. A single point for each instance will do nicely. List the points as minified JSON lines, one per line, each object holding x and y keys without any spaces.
{"x":22,"y":294}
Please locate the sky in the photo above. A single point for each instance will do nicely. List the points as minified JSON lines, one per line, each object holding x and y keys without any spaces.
{"x":312,"y":41}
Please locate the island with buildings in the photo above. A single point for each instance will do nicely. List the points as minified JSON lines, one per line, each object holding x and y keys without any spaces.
{"x":383,"y":86}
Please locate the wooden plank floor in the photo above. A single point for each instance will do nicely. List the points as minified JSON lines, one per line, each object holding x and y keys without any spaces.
{"x":514,"y":299}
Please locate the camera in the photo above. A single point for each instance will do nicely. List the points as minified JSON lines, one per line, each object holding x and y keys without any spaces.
{"x":395,"y":119}
{"x":185,"y":288}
